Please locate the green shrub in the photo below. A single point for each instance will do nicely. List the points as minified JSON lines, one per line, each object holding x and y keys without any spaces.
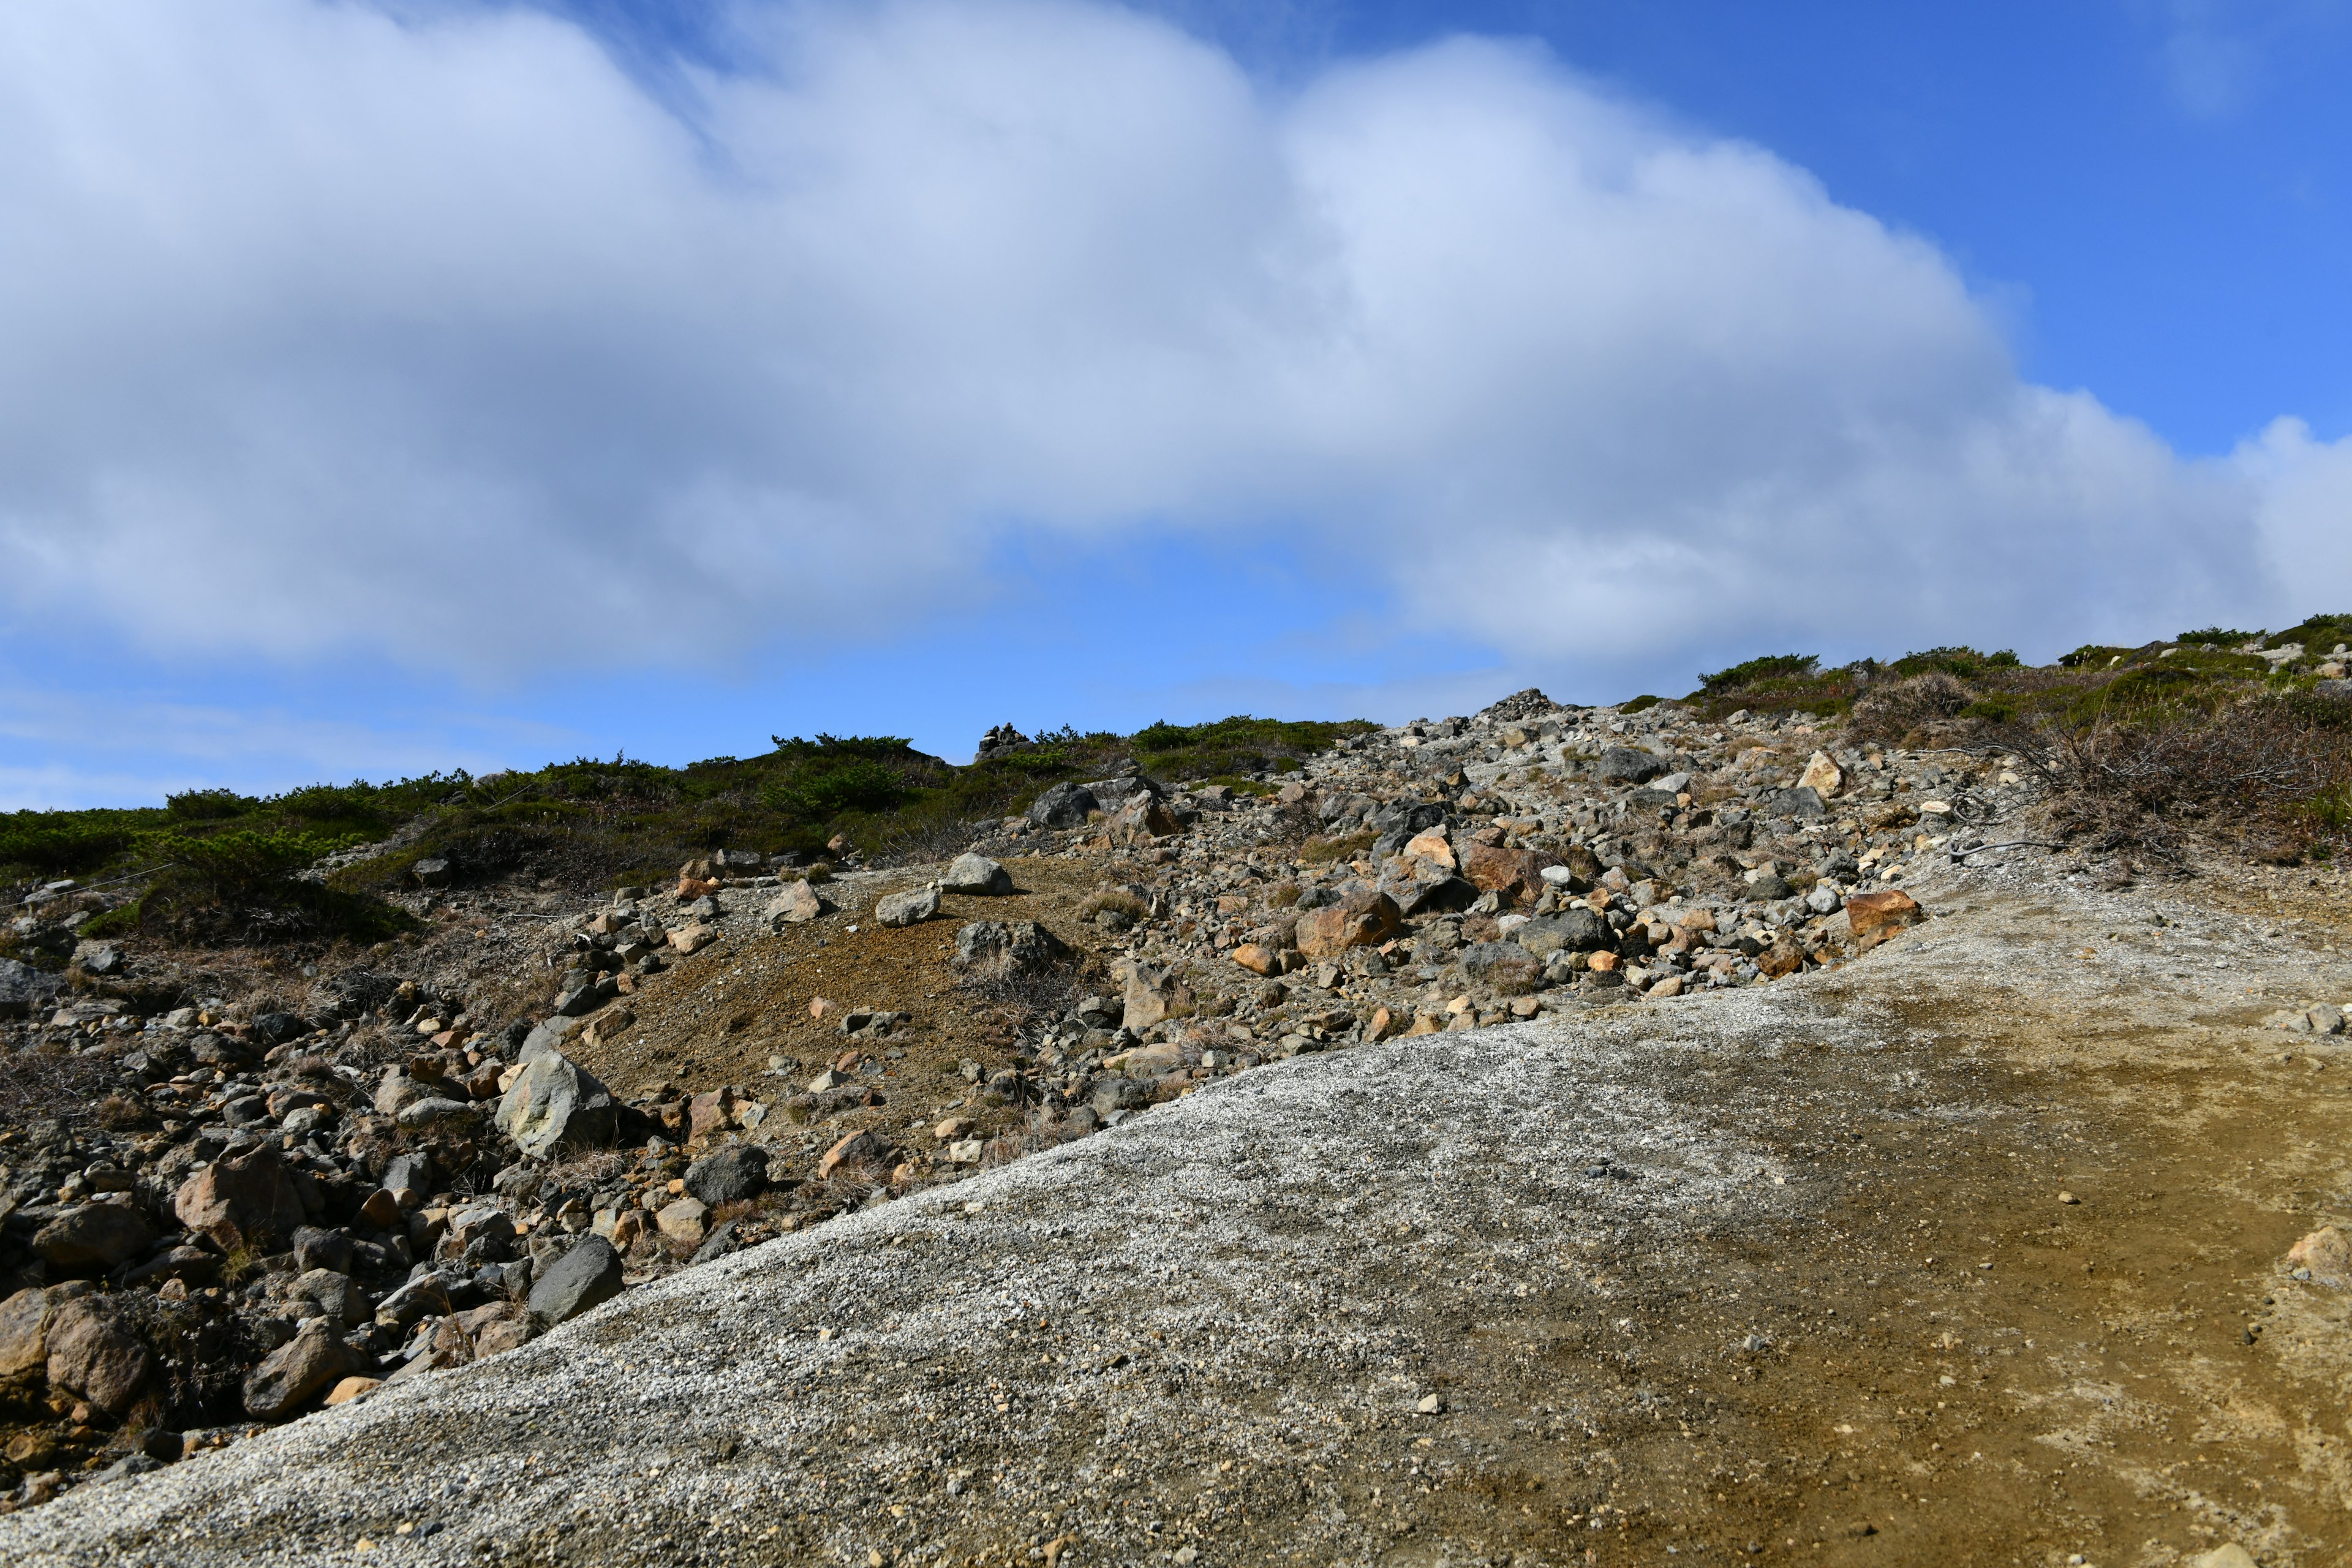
{"x":1771,"y":666}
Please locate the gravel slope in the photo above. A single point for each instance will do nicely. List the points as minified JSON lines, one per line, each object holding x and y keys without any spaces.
{"x":1684,"y":1275}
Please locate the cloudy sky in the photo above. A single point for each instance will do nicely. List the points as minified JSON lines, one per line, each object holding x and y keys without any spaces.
{"x":424,"y":383}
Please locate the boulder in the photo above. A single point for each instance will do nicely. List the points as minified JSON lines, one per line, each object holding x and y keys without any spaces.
{"x":1003,"y":947}
{"x":693,"y":938}
{"x":94,"y":1356}
{"x":94,"y":1237}
{"x":796,"y":903}
{"x":248,"y":1200}
{"x":25,"y":1319}
{"x":1821,"y":775}
{"x":2326,"y":1253}
{"x":1878,"y":916}
{"x":687,"y":1219}
{"x":1623,"y":764}
{"x":906,"y":909}
{"x":1419,"y":888}
{"x":1140,"y":819}
{"x":1432,"y":848}
{"x":1365,"y":918}
{"x":587,"y":1275}
{"x":557,"y":1103}
{"x":313,"y":1362}
{"x":1154,"y":993}
{"x":729,"y":1176}
{"x":1064,"y":805}
{"x":1503,"y":966}
{"x":337,"y":1294}
{"x":437,"y":1114}
{"x":97,"y":958}
{"x":858,"y":1148}
{"x":1802,"y":801}
{"x":1258,"y":959}
{"x":1570,"y":931}
{"x":1516,"y":873}
{"x":976,"y":874}
{"x":26,"y":990}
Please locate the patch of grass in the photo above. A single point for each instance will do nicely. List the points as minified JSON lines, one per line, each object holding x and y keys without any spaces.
{"x":1344,"y":846}
{"x":1639,"y":705}
{"x":1751,"y":672}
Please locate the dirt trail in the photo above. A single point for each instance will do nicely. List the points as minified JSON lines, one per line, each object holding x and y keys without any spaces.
{"x":1777,"y":1274}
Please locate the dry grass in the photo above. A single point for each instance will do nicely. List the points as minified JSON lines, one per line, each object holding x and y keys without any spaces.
{"x":51,"y":1082}
{"x":1908,"y":710}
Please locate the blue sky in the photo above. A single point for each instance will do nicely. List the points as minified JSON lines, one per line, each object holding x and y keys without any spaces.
{"x":459,"y":386}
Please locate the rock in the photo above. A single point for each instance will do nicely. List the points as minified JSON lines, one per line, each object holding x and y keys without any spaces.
{"x":1504,"y":966}
{"x":556,"y":1103}
{"x":436,"y":1113}
{"x":1878,"y":916}
{"x":1258,"y":959}
{"x":2340,"y":691}
{"x":1771,"y":888}
{"x":26,"y":990}
{"x":94,"y":1237}
{"x":309,"y":1364}
{"x":2230,"y":1555}
{"x":1492,"y":868}
{"x":2328,"y":1253}
{"x":2325,"y":1020}
{"x":1802,"y":801}
{"x":729,"y":1176}
{"x":796,"y":903}
{"x":858,"y":1148}
{"x":1822,"y":776}
{"x":92,"y":1355}
{"x":684,"y":1220}
{"x":25,"y":1319}
{"x":434,"y":872}
{"x":1432,"y":848}
{"x":352,"y":1388}
{"x":1824,"y":899}
{"x":907,"y":908}
{"x":425,"y":1296}
{"x":249,"y":1201}
{"x":976,"y":874}
{"x":1365,"y":918}
{"x":587,"y":1275}
{"x":1064,"y":805}
{"x":1154,"y":993}
{"x":708,"y":1112}
{"x":1570,"y":931}
{"x":381,"y":1211}
{"x":1623,"y":764}
{"x":97,"y":958}
{"x":1140,"y":819}
{"x":1005,"y":947}
{"x":337,"y":1294}
{"x":693,"y":938}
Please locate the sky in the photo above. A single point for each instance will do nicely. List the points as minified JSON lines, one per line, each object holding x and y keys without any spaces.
{"x":401,"y":385}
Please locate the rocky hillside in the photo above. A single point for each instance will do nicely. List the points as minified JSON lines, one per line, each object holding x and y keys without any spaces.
{"x":321,"y":1169}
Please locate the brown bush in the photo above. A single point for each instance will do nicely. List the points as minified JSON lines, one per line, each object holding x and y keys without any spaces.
{"x":2258,"y":772}
{"x":1890,"y":714}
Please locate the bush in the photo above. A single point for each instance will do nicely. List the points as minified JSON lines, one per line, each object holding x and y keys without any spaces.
{"x":1890,"y":713}
{"x":1749,"y":672}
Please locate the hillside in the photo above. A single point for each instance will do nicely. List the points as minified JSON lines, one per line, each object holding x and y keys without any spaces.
{"x":356,"y":1108}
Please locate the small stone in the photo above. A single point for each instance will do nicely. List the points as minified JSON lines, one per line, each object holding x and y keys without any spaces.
{"x":796,"y":903}
{"x":1878,"y":916}
{"x":900,"y":909}
{"x":1822,"y":776}
{"x":1430,"y":1404}
{"x":1258,"y":959}
{"x":693,"y":938}
{"x":2232,"y":1555}
{"x":556,"y":1103}
{"x":857,"y":1148}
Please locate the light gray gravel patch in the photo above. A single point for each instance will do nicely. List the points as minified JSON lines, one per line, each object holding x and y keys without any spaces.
{"x":1233,"y":1278}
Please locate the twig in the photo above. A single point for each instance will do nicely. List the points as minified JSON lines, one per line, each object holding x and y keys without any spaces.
{"x":2012,"y":843}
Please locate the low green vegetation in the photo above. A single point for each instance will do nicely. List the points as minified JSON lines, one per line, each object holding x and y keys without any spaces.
{"x":208,"y":858}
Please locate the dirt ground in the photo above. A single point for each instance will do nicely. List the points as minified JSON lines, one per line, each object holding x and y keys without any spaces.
{"x":1782,"y":1275}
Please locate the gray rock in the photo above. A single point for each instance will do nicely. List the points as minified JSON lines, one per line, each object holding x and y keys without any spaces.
{"x":338,"y":1294}
{"x":94,"y":1237}
{"x":1623,"y":764}
{"x":433,"y":1111}
{"x":977,"y":874}
{"x":1570,"y":931}
{"x":586,"y":1276}
{"x":1111,"y":793}
{"x":92,"y":1354}
{"x":432,"y":873}
{"x":1003,"y":947}
{"x":729,"y":1176}
{"x":1064,"y":805}
{"x":97,"y":957}
{"x":25,"y":991}
{"x":1119,"y":1094}
{"x":1801,"y":801}
{"x":557,"y":1103}
{"x":906,"y":909}
{"x":1506,"y":966}
{"x":317,"y":1248}
{"x":1824,"y":899}
{"x":1770,"y":889}
{"x":2341,"y":690}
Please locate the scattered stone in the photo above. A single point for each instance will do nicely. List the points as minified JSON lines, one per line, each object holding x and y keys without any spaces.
{"x":900,"y":909}
{"x":313,"y":1362}
{"x":976,"y":874}
{"x":94,"y":1237}
{"x":731,"y":1175}
{"x":587,"y":1275}
{"x":556,"y":1103}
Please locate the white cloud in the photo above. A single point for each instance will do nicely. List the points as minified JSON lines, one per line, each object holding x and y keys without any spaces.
{"x":441,"y":338}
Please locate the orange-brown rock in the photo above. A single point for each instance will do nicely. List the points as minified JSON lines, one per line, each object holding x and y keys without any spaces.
{"x":1258,"y":959}
{"x":1495,"y":869}
{"x":1366,"y":918}
{"x":1878,"y":916}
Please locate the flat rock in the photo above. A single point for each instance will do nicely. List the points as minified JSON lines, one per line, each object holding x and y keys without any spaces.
{"x":976,"y":874}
